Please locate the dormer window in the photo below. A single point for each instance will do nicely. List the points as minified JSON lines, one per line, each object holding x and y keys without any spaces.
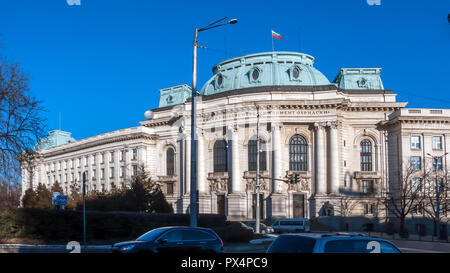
{"x":294,"y":73}
{"x":255,"y":74}
{"x":362,"y":83}
{"x":219,"y":80}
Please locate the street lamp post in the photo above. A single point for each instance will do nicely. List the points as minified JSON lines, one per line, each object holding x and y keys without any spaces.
{"x":257,"y":208}
{"x":84,"y":206}
{"x":437,"y":192}
{"x":194,"y":193}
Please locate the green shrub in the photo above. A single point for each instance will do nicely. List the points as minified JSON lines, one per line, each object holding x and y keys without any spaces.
{"x":404,"y":233}
{"x":64,"y":226}
{"x":234,"y":232}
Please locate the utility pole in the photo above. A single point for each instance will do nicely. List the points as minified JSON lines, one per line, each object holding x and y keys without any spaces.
{"x":436,"y":182}
{"x":194,"y":192}
{"x":258,"y":215}
{"x":84,"y":207}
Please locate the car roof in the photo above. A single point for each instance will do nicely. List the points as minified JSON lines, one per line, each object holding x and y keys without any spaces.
{"x":185,"y":227}
{"x":292,"y":219}
{"x":317,"y":235}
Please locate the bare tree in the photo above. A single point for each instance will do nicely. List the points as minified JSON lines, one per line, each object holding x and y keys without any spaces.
{"x":348,"y":204}
{"x":407,"y":192}
{"x":436,"y":201}
{"x":9,"y":194}
{"x":21,"y":123}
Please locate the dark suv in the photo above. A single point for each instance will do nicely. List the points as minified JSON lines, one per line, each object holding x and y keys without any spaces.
{"x":330,"y":243}
{"x":173,"y":239}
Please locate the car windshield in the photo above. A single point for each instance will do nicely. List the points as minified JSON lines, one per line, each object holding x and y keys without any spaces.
{"x":292,"y":244}
{"x":151,"y":235}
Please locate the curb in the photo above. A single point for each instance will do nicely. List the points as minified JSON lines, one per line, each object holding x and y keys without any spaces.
{"x":4,"y":246}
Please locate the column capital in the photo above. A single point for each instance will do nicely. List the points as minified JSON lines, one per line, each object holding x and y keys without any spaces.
{"x":320,"y":125}
{"x":333,"y":124}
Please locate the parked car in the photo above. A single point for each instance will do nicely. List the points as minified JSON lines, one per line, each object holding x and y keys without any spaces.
{"x":330,"y":243}
{"x":291,"y":225}
{"x":262,"y":227}
{"x":173,"y":239}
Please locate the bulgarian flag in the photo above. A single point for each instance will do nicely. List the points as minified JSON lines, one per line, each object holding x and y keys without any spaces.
{"x":276,"y":35}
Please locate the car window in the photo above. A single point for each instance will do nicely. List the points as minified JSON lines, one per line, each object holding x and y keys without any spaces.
{"x":151,"y":235}
{"x":196,"y":235}
{"x":388,"y":248}
{"x":298,"y":223}
{"x":349,"y":246}
{"x":292,"y":244}
{"x":284,"y":223}
{"x":173,"y":236}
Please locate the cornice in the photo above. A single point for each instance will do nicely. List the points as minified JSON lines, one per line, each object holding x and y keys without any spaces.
{"x":94,"y":143}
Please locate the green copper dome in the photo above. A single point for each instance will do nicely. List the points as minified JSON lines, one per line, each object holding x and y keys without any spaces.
{"x":264,"y":69}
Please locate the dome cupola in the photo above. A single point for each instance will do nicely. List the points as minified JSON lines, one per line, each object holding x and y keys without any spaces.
{"x":264,"y":69}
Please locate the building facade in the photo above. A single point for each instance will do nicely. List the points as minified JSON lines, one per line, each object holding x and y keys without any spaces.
{"x":349,"y":138}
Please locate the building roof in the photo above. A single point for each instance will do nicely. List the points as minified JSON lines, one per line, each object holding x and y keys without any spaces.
{"x":54,"y":138}
{"x":264,"y":69}
{"x":273,"y":69}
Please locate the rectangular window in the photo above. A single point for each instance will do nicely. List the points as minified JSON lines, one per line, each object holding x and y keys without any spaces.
{"x":111,"y":172}
{"x":94,"y":159}
{"x":112,"y":157}
{"x":415,"y":142}
{"x":437,"y":164}
{"x":169,"y":188}
{"x":367,"y":186}
{"x":437,"y":143}
{"x":86,"y":161}
{"x":416,"y":209}
{"x":416,"y":184}
{"x":416,"y":163}
{"x":102,"y":174}
{"x":102,"y":158}
{"x":135,"y":170}
{"x":122,"y":171}
{"x":369,"y":208}
{"x":134,"y":154}
{"x":122,"y":155}
{"x":94,"y":174}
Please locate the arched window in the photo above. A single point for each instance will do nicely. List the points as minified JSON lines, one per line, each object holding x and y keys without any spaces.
{"x":366,"y":155}
{"x":170,"y":161}
{"x":252,"y":154}
{"x":298,"y":153}
{"x":220,"y":156}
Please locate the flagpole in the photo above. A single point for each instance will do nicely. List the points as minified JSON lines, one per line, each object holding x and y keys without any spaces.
{"x":271,"y":35}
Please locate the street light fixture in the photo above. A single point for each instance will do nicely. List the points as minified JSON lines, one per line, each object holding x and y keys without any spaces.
{"x":437,"y":192}
{"x":194,"y":193}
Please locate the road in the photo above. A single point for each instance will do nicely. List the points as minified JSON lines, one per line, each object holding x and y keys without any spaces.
{"x":403,"y":245}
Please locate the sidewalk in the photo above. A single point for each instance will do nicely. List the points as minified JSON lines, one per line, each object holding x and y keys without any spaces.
{"x":412,"y":237}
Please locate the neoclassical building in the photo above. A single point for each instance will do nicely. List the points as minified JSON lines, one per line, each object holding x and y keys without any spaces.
{"x":348,"y":138}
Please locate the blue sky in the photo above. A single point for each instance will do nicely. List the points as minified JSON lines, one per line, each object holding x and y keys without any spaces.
{"x":102,"y":63}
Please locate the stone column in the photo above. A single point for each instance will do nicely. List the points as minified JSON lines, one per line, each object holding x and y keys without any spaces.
{"x":334,"y":158}
{"x":201,"y":174}
{"x":235,"y":173}
{"x":321,"y":185}
{"x":276,"y":147}
{"x":187,"y":177}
